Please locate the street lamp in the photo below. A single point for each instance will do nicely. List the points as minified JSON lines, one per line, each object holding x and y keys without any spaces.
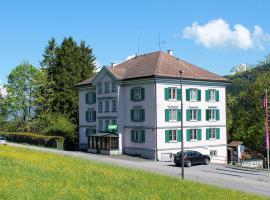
{"x":182,"y":132}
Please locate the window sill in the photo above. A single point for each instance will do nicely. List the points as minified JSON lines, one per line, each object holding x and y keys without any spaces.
{"x":173,"y":100}
{"x":193,"y":120}
{"x":212,"y":120}
{"x":191,"y":100}
{"x":173,"y":141}
{"x":194,"y":140}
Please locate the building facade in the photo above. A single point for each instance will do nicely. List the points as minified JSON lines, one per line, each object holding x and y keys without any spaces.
{"x":142,"y":96}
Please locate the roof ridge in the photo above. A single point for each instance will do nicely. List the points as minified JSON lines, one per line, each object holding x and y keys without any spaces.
{"x":158,"y":63}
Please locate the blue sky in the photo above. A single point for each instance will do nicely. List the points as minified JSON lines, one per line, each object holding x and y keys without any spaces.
{"x":223,"y":36}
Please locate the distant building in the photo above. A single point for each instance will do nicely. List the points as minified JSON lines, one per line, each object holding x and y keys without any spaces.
{"x":142,"y":97}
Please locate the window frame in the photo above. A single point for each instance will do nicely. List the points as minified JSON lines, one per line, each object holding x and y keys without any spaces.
{"x":172,"y":113}
{"x":213,"y":153}
{"x":107,"y":106}
{"x":137,"y":93}
{"x":212,"y":134}
{"x":100,"y":125}
{"x":173,"y":136}
{"x":212,"y":114}
{"x":138,"y":135}
{"x":193,"y":92}
{"x":100,"y":106}
{"x":107,"y":87}
{"x":106,"y":123}
{"x":172,"y":94}
{"x":137,"y":114}
{"x":194,"y":135}
{"x":212,"y":95}
{"x":99,"y":88}
{"x":194,"y":114}
{"x":114,"y":87}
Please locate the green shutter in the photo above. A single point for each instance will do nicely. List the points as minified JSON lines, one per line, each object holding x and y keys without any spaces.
{"x":142,"y":113}
{"x":86,"y":98}
{"x":95,"y":115}
{"x":188,"y":94}
{"x":166,"y":93}
{"x":142,"y":94}
{"x":217,"y":95}
{"x":188,"y":134}
{"x":207,"y":114}
{"x":87,"y":116}
{"x":143,"y":136}
{"x":132,"y":135}
{"x":167,"y":115}
{"x":199,"y":134}
{"x":188,"y":115}
{"x":179,"y":95}
{"x":217,"y":114}
{"x":94,"y":97}
{"x":167,"y":136}
{"x":132,"y":94}
{"x":207,"y":95}
{"x":218,"y":133}
{"x":179,"y":115}
{"x":199,"y":114}
{"x":207,"y":134}
{"x":132,"y":115}
{"x":198,"y":95}
{"x":179,"y":135}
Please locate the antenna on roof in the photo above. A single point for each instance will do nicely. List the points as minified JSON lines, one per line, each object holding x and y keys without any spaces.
{"x":160,"y":42}
{"x":138,"y":47}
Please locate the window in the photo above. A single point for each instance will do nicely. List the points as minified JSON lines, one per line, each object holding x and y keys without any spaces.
{"x":137,"y":115}
{"x":114,"y":143}
{"x":173,"y":135}
{"x":100,"y":107}
{"x":114,"y":87}
{"x":212,"y":114}
{"x":114,"y":106}
{"x":100,"y":124}
{"x":100,"y":88}
{"x":137,"y":94}
{"x":90,"y":98}
{"x":213,"y":153}
{"x":172,"y":93}
{"x":212,"y":133}
{"x":90,"y":116}
{"x":114,"y":122}
{"x":138,"y":136}
{"x":107,"y":106}
{"x":194,"y":134}
{"x":212,"y":95}
{"x":193,"y":94}
{"x":107,"y":122}
{"x":193,"y":114}
{"x":107,"y":87}
{"x":173,"y":115}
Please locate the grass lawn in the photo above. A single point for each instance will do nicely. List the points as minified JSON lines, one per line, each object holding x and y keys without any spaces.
{"x":28,"y":174}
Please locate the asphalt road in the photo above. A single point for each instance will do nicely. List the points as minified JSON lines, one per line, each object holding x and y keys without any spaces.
{"x":249,"y":180}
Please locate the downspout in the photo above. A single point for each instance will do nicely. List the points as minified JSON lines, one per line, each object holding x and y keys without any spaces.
{"x":155,"y":128}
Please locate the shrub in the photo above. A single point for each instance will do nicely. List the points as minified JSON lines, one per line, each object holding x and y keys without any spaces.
{"x":35,"y":139}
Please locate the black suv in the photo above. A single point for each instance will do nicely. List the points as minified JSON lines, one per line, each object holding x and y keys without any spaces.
{"x":191,"y":158}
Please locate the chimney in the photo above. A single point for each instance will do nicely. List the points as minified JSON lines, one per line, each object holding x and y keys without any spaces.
{"x":170,"y":52}
{"x":113,"y":64}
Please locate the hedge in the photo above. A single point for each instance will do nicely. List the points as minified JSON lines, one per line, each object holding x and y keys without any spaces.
{"x":34,"y":138}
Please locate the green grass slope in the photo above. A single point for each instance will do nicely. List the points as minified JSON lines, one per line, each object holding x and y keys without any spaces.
{"x":27,"y":174}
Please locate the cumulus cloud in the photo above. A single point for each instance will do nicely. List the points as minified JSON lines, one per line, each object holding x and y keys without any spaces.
{"x":218,"y":34}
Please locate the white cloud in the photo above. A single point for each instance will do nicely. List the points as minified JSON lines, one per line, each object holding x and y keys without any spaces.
{"x":218,"y":34}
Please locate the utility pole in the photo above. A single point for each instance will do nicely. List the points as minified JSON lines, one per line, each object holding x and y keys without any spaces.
{"x":182,"y":132}
{"x":267,"y":131}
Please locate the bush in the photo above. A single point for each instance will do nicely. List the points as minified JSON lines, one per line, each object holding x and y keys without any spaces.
{"x":60,"y":126}
{"x":35,"y":139}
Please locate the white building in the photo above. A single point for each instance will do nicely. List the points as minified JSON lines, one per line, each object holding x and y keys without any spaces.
{"x":143,"y":97}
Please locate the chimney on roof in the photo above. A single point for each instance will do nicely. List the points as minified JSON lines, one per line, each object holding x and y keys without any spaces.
{"x":113,"y":64}
{"x":170,"y":52}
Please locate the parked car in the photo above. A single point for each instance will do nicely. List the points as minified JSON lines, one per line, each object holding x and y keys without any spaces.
{"x":3,"y":141}
{"x":191,"y":158}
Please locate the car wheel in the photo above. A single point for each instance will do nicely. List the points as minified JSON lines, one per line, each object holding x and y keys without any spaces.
{"x":188,"y":163}
{"x":206,"y":161}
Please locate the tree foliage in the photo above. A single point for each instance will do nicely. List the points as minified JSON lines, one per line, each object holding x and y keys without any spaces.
{"x":246,"y":115}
